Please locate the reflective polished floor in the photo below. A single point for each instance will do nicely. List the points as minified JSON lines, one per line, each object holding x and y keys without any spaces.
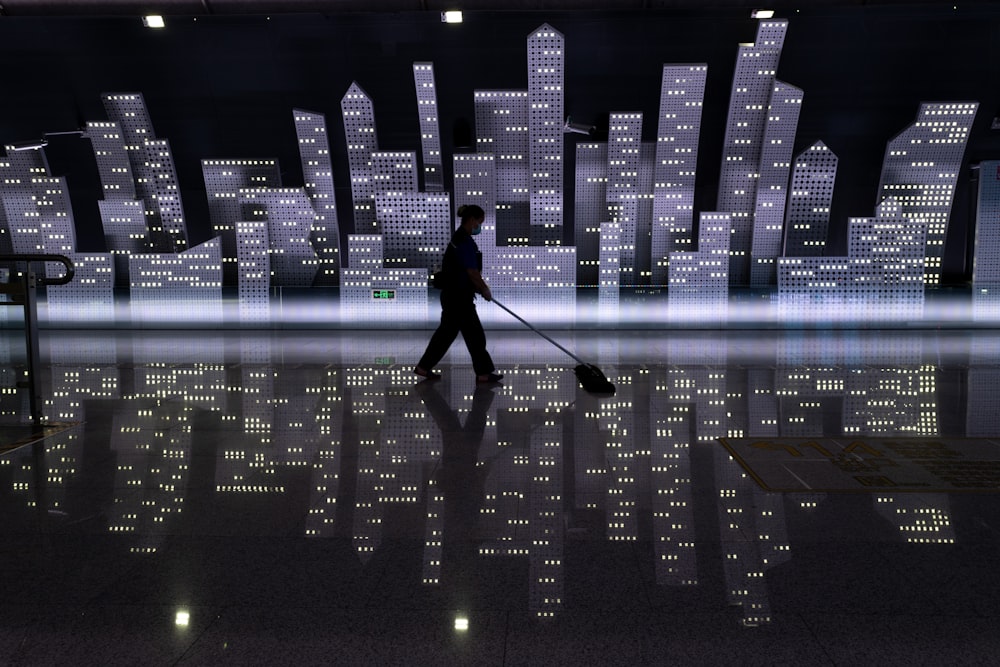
{"x":806,"y":498}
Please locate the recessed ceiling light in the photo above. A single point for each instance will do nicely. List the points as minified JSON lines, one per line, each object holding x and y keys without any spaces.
{"x":762,"y":13}
{"x":451,"y":16}
{"x":153,"y":21}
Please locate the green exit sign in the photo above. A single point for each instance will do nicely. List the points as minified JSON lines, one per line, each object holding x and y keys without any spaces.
{"x":383,"y":294}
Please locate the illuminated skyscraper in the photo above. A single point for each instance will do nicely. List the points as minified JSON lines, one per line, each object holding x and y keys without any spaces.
{"x":153,"y":167}
{"x":39,"y":217}
{"x":881,"y":278}
{"x":753,"y":82}
{"x":699,"y":280}
{"x":502,"y":129}
{"x":416,"y":228}
{"x":610,"y":270}
{"x":89,"y":297}
{"x":807,"y":219}
{"x":920,"y":171}
{"x":289,"y":215}
{"x":223,"y":181}
{"x":254,"y":270}
{"x":317,"y":173}
{"x":371,"y":293}
{"x":393,"y":171}
{"x":624,"y":149}
{"x":178,"y":287}
{"x":682,"y":93}
{"x":772,"y":186}
{"x":590,"y":208}
{"x":546,"y":65}
{"x":359,"y":130}
{"x":430,"y":129}
{"x":111,"y":154}
{"x":476,"y":183}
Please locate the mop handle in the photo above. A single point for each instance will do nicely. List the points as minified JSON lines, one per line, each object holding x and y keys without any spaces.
{"x":528,"y":324}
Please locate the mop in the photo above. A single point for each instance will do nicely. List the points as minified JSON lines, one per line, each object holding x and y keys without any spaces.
{"x":590,"y":376}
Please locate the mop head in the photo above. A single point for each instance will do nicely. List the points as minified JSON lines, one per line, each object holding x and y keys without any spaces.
{"x":593,"y":379}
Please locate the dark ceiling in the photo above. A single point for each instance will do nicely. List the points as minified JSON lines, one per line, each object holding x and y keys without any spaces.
{"x":205,"y":7}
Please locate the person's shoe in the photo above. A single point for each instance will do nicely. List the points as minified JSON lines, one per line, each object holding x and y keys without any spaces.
{"x":488,"y":378}
{"x":427,"y":375}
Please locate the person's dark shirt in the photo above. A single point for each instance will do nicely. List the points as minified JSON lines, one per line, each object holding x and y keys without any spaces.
{"x":461,"y":255}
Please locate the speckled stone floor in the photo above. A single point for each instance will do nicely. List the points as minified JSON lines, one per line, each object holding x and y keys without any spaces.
{"x":299,"y":498}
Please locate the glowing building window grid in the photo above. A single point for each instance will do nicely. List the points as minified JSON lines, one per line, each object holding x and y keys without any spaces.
{"x":753,"y":81}
{"x":502,"y":129}
{"x":610,"y":269}
{"x":89,"y":296}
{"x":125,"y":233}
{"x":880,"y":279}
{"x":223,"y":181}
{"x":290,"y":217}
{"x":113,"y":165}
{"x":682,"y":92}
{"x":807,"y":219}
{"x":394,"y":171}
{"x":920,"y":170}
{"x":153,"y":168}
{"x":430,"y":130}
{"x":317,"y":170}
{"x":359,"y":129}
{"x":254,"y":270}
{"x":182,"y":287}
{"x":39,"y":217}
{"x":475,"y":183}
{"x":590,"y":208}
{"x":546,"y":65}
{"x":416,"y":228}
{"x":624,"y":147}
{"x":775,"y":164}
{"x":702,"y":276}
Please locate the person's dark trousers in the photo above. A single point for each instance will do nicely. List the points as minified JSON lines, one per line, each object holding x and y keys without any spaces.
{"x":458,"y":316}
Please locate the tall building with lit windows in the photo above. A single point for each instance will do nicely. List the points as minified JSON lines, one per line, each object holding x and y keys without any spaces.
{"x":920,"y":171}
{"x":682,"y":94}
{"x":590,"y":208}
{"x":153,"y":166}
{"x":881,"y":278}
{"x":772,"y":186}
{"x":807,"y":217}
{"x":393,"y":171}
{"x":476,"y":183}
{"x":624,"y":157}
{"x":178,"y":287}
{"x":39,"y":217}
{"x":416,"y":228}
{"x":608,"y":291}
{"x":753,"y":82}
{"x":317,"y":174}
{"x":254,"y":271}
{"x":430,"y":128}
{"x":223,"y":181}
{"x":699,"y":280}
{"x":289,"y":215}
{"x":359,"y":131}
{"x":502,"y":130}
{"x":546,"y":117}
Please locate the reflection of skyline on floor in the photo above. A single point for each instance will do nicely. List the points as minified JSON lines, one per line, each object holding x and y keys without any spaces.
{"x":341,"y":444}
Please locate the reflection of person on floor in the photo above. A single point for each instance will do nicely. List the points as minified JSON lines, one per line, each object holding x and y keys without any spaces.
{"x":459,"y":476}
{"x":463,"y":279}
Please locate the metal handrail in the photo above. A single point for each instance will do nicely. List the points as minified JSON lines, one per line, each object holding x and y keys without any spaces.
{"x":30,"y":283}
{"x":62,"y":259}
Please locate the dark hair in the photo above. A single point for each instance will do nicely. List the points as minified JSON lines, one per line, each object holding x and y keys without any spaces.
{"x":471,"y":212}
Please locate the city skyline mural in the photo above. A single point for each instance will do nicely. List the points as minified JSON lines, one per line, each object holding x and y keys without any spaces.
{"x":621,"y":217}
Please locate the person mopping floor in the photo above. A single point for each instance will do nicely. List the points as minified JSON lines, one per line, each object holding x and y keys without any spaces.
{"x":461,"y":280}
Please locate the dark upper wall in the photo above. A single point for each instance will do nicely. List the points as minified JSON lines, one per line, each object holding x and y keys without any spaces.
{"x":224,"y":86}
